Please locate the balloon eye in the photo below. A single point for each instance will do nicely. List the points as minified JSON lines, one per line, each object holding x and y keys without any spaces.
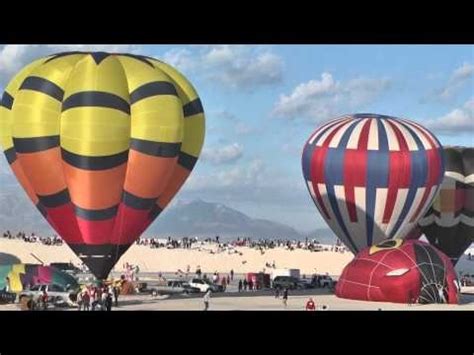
{"x":385,"y":245}
{"x":398,"y":272}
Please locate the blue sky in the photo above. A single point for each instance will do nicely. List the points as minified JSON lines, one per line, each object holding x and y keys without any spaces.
{"x":262,"y":103}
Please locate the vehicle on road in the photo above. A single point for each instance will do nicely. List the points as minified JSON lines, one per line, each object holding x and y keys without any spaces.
{"x":174,"y":287}
{"x":57,"y":294}
{"x":282,"y":282}
{"x":203,"y":285}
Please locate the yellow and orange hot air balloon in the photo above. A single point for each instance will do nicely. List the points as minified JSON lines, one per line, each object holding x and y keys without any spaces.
{"x":101,"y":143}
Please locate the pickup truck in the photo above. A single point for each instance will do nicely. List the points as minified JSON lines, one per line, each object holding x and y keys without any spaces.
{"x":174,"y":287}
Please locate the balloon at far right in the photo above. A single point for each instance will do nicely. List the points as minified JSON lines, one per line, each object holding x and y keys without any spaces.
{"x":449,"y":223}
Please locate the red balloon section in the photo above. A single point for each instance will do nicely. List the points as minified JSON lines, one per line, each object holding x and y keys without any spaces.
{"x":402,"y":272}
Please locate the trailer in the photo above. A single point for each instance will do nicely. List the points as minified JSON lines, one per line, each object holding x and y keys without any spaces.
{"x":286,"y":272}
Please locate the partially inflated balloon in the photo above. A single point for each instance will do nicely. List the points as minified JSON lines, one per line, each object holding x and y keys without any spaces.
{"x":372,"y":176}
{"x":449,"y":223}
{"x":101,"y":143}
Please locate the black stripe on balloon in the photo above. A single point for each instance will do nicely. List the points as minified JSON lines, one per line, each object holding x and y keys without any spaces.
{"x":36,"y":144}
{"x":154,"y":212}
{"x":44,"y":86}
{"x":157,"y":149}
{"x":137,"y":57}
{"x":138,"y":203}
{"x":193,"y":108}
{"x":42,"y":210}
{"x":55,"y":200}
{"x":94,"y":163}
{"x":100,"y":259}
{"x":99,"y":56}
{"x":63,"y":54}
{"x":96,"y":215}
{"x":7,"y":101}
{"x":10,"y":154}
{"x":96,"y":99}
{"x":152,"y":89}
{"x":186,"y":161}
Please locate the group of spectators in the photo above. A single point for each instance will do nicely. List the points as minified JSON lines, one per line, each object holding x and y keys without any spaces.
{"x":260,"y":244}
{"x":98,"y":297}
{"x":33,"y":238}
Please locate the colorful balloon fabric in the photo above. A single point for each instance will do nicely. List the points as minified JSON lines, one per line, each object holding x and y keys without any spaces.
{"x":399,"y":271}
{"x":101,"y":143}
{"x":22,"y":276}
{"x":372,"y":176}
{"x":449,"y":223}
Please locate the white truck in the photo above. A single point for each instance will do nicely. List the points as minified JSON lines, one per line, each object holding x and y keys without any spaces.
{"x":286,"y":272}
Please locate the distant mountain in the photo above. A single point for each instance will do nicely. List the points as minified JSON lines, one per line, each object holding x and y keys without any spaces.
{"x":200,"y":218}
{"x":197,"y":218}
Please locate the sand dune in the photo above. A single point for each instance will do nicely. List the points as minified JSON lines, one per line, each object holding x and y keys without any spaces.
{"x":167,"y":260}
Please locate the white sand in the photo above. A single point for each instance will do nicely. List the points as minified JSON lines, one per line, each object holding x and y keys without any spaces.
{"x":170,"y":260}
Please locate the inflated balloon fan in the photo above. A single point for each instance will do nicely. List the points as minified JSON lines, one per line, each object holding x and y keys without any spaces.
{"x":101,"y":143}
{"x":372,"y":176}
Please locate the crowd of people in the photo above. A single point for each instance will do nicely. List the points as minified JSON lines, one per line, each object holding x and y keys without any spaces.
{"x":98,"y":297}
{"x":229,"y":246}
{"x":33,"y":238}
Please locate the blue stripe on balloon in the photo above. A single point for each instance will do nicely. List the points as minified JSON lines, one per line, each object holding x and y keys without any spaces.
{"x":335,"y":208}
{"x":306,"y":161}
{"x":419,"y":168}
{"x":406,"y":207}
{"x":370,"y":196}
{"x":326,"y":128}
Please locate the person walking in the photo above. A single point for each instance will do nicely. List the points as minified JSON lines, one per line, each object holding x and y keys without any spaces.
{"x":206,"y":299}
{"x":285,"y":297}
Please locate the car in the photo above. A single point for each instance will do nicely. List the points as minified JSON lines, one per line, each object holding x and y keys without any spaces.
{"x":322,"y":281}
{"x":203,"y":285}
{"x":57,"y":294}
{"x":174,"y":287}
{"x":467,"y":280}
{"x":304,"y":284}
{"x":68,"y":268}
{"x":282,"y":282}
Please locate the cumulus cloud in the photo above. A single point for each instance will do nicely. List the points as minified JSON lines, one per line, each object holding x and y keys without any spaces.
{"x":459,"y":120}
{"x":232,"y":66}
{"x":222,"y":154}
{"x":317,"y":100}
{"x":14,"y":57}
{"x":239,"y":126}
{"x":459,"y":78}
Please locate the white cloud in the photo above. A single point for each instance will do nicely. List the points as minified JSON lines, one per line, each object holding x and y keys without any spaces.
{"x":459,"y":120}
{"x":459,"y":78}
{"x":222,"y":155}
{"x":15,"y":57}
{"x":318,"y":100}
{"x":232,"y":66}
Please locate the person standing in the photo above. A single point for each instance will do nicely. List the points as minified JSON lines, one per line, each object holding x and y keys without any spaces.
{"x":224,"y":283}
{"x":240,"y":285}
{"x":86,"y":299}
{"x":285,"y":297}
{"x":245,"y":284}
{"x":310,"y":305}
{"x":116,"y":294}
{"x":206,"y":299}
{"x":228,"y":279}
{"x":250,"y":285}
{"x":232,"y":274}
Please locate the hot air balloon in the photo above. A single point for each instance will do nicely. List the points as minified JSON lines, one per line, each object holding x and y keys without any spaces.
{"x":101,"y":143}
{"x":400,"y":271}
{"x":372,"y":176}
{"x":449,"y":223}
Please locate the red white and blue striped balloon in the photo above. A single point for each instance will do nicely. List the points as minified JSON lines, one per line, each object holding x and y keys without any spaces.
{"x":372,"y":176}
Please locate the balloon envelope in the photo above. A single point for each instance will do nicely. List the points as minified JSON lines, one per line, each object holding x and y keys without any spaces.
{"x":449,"y":223}
{"x":402,"y":272}
{"x":372,"y":176}
{"x":101,"y":143}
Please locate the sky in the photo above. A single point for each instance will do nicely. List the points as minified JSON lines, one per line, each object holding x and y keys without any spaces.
{"x":263,"y":102}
